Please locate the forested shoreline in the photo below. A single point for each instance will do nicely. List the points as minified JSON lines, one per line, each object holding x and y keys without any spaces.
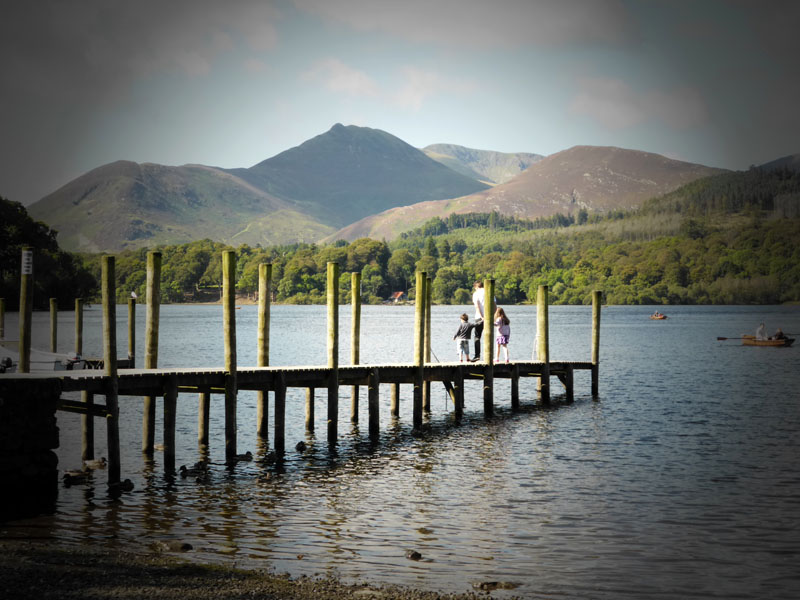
{"x":727,"y":239}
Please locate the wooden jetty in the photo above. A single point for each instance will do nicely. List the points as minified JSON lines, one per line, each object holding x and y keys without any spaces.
{"x":152,"y":382}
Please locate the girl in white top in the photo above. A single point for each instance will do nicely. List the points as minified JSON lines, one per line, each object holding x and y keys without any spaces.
{"x":503,"y":324}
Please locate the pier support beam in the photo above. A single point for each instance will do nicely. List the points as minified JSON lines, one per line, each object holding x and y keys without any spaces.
{"x":280,"y":414}
{"x":597,"y":300}
{"x":394,"y":408}
{"x":87,"y":420}
{"x":419,"y":346}
{"x":488,"y":347}
{"x":53,"y":325}
{"x":262,"y":396}
{"x":333,"y":352}
{"x":170,"y":419}
{"x":426,"y":390}
{"x":543,"y":337}
{"x":110,"y":363}
{"x":229,"y":326}
{"x":310,"y":409}
{"x":458,"y":388}
{"x":151,"y":346}
{"x":355,"y":338}
{"x":374,"y":404}
{"x":514,"y":387}
{"x":203,"y":418}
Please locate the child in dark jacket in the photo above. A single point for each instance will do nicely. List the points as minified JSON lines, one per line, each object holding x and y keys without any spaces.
{"x":462,"y":338}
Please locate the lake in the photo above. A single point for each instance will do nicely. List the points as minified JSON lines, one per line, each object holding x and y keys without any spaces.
{"x":680,"y":480}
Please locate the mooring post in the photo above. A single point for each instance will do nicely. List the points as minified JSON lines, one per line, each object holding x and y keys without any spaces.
{"x":426,"y":389}
{"x":262,"y":396}
{"x":53,"y":325}
{"x":419,"y":346}
{"x":488,"y":347}
{"x":151,"y":346}
{"x":355,"y":338}
{"x":170,"y":418}
{"x":310,"y":409}
{"x":597,"y":300}
{"x":2,"y":318}
{"x":543,"y":335}
{"x":229,"y":327}
{"x":394,"y":408}
{"x":87,"y":420}
{"x":25,"y":310}
{"x":333,"y":352}
{"x":373,"y":403}
{"x":110,"y":363}
{"x":131,"y":333}
{"x":280,"y":413}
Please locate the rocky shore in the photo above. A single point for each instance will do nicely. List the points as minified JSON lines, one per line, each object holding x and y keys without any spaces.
{"x":45,"y":570}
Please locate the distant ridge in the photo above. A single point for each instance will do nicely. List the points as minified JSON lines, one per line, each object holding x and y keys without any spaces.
{"x":595,"y":178}
{"x":791,"y":162}
{"x":484,"y":165}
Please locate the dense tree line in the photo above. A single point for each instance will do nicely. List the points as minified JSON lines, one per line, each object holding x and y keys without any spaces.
{"x":57,"y":274}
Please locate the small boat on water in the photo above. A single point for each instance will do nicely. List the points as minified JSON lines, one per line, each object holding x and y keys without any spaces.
{"x":658,"y":317}
{"x":39,"y":359}
{"x":750,"y":340}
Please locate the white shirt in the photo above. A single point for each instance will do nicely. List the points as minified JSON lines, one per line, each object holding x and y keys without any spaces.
{"x":477,"y":299}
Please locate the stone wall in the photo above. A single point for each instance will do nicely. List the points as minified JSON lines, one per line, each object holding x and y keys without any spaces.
{"x":28,"y":435}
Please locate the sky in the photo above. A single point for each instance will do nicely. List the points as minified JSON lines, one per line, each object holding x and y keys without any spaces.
{"x":229,"y":84}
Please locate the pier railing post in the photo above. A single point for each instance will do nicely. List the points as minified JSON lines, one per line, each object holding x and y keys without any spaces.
{"x":597,"y":300}
{"x":333,"y":352}
{"x":488,"y":347}
{"x":419,"y":346}
{"x":355,"y":338}
{"x":229,"y":327}
{"x":131,"y":333}
{"x":53,"y":325}
{"x":25,"y":310}
{"x":262,"y":397}
{"x":151,"y":346}
{"x":110,"y":363}
{"x":543,"y":337}
{"x":426,"y":390}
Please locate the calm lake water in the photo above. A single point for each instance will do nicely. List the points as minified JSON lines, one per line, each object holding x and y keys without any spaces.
{"x":680,"y":480}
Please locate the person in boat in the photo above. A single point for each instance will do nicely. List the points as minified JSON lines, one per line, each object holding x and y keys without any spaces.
{"x":761,"y":332}
{"x":779,"y":335}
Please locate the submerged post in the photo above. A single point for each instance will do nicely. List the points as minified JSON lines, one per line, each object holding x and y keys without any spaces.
{"x":53,"y":325}
{"x":131,"y":332}
{"x":333,"y":352}
{"x":419,"y":346}
{"x":110,"y":363}
{"x":597,"y":300}
{"x":262,"y":396}
{"x":25,"y":310}
{"x":426,"y":389}
{"x":151,"y":346}
{"x":543,"y":336}
{"x":229,"y":327}
{"x":355,"y":337}
{"x":488,"y":347}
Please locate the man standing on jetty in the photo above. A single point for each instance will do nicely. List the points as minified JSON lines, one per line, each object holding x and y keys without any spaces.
{"x":478,"y":297}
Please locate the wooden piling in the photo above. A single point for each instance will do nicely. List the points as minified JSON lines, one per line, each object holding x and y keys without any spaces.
{"x":53,"y":325}
{"x":419,"y":346}
{"x":310,"y":409}
{"x":333,"y":352}
{"x":229,"y":327}
{"x":426,"y":389}
{"x":458,"y":385}
{"x":131,"y":333}
{"x":151,"y":346}
{"x":488,"y":347}
{"x":394,"y":407}
{"x":87,"y":420}
{"x":515,"y":387}
{"x":79,"y":326}
{"x":170,"y":419}
{"x":25,"y":310}
{"x":203,"y":418}
{"x":262,"y":396}
{"x":597,"y":300}
{"x":373,"y":403}
{"x":280,"y":414}
{"x":110,"y":364}
{"x":543,"y":337}
{"x":355,"y":338}
{"x":568,"y":383}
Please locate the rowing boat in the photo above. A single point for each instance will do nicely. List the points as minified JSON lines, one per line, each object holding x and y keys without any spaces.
{"x":658,"y":317}
{"x":750,"y":340}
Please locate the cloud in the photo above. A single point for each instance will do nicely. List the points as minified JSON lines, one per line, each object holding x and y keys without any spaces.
{"x":343,"y":79}
{"x":418,"y":85}
{"x":616,"y":105}
{"x":477,"y":23}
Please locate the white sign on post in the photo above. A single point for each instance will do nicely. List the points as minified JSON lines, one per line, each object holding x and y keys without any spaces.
{"x":27,"y":262}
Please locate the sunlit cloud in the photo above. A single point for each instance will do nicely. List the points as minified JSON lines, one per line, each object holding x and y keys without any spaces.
{"x":343,"y":79}
{"x":420,"y":85}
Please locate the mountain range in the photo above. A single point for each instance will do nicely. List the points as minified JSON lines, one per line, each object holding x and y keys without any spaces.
{"x":346,"y":183}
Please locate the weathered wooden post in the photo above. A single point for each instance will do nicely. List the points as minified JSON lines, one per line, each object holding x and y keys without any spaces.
{"x":170,"y":418}
{"x":151,"y":346}
{"x":458,"y":384}
{"x":229,"y":327}
{"x":262,"y":397}
{"x":53,"y":325}
{"x":333,"y":352}
{"x":355,"y":337}
{"x":597,"y":300}
{"x":515,"y":387}
{"x":374,"y":404}
{"x":2,"y":318}
{"x":419,"y":346}
{"x":110,"y":363}
{"x":203,"y":418}
{"x":131,"y":332}
{"x":79,"y":326}
{"x":426,"y":389}
{"x":87,"y":420}
{"x":488,"y":347}
{"x":543,"y":336}
{"x":394,"y":407}
{"x":25,"y":310}
{"x":310,"y":409}
{"x":279,"y":386}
